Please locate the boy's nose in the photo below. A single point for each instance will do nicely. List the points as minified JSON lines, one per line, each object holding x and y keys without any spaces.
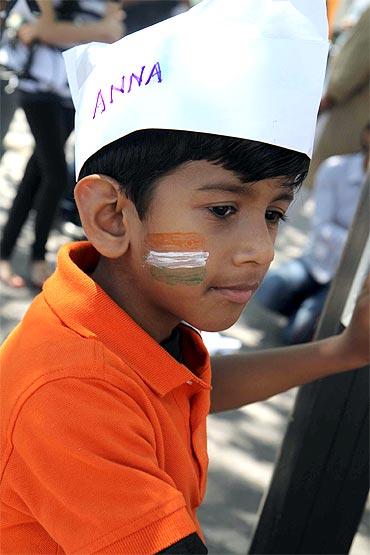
{"x":255,"y":245}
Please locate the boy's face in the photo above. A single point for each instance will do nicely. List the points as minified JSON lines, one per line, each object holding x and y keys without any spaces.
{"x":202,"y":250}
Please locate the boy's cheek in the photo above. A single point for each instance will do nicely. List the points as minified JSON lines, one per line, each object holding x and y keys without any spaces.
{"x":176,"y":258}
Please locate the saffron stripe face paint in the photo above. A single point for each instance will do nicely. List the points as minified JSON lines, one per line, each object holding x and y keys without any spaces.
{"x":177,"y":258}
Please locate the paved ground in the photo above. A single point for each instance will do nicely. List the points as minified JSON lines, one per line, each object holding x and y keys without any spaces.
{"x":243,"y":444}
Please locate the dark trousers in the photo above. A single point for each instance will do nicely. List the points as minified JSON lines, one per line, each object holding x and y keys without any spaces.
{"x":51,"y":121}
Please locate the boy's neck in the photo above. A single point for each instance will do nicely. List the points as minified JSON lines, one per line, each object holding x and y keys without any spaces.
{"x":121,"y":289}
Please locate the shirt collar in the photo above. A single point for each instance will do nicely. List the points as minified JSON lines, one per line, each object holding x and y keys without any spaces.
{"x":84,"y":307}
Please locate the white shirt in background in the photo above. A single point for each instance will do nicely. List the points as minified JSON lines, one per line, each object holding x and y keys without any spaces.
{"x":337,"y":190}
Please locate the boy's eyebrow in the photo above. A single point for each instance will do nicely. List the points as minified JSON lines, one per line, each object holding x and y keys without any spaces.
{"x":285,"y":194}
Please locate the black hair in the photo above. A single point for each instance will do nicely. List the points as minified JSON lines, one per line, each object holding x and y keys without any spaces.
{"x":137,"y":160}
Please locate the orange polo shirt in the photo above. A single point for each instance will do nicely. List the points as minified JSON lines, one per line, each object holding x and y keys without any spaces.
{"x":103,"y":432}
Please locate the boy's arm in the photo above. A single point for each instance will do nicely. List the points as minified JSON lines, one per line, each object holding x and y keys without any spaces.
{"x":245,"y":378}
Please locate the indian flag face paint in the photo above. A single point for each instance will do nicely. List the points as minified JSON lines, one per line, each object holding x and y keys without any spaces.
{"x":177,"y":258}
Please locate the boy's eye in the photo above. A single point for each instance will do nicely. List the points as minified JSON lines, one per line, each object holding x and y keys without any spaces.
{"x":274,"y":217}
{"x":222,"y":211}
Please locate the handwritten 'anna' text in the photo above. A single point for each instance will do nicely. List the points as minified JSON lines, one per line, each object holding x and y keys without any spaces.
{"x":133,"y":81}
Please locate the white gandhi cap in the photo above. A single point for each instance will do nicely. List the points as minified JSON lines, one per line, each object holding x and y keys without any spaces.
{"x":252,"y":69}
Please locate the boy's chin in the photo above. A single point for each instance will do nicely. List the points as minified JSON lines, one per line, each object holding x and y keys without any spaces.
{"x":216,"y":324}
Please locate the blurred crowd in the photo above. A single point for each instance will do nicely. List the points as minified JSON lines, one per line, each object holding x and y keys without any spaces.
{"x":34,"y":34}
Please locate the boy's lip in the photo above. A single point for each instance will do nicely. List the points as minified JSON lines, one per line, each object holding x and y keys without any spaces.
{"x":237,"y":293}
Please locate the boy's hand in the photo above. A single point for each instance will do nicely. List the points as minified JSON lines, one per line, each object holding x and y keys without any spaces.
{"x":355,"y":340}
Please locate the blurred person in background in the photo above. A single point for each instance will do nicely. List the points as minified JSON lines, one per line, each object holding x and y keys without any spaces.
{"x":45,"y":98}
{"x":143,"y":13}
{"x":345,"y":103}
{"x":298,"y":288}
{"x":332,"y":7}
{"x":346,"y":14}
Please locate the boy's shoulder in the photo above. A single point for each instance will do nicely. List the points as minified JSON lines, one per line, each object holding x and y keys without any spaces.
{"x":56,"y":338}
{"x":45,"y":359}
{"x":42,"y":347}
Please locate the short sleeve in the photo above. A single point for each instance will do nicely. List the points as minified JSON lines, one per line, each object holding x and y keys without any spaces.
{"x":84,"y":463}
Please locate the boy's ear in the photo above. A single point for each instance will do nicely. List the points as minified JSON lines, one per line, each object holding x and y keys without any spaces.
{"x":103,"y":210}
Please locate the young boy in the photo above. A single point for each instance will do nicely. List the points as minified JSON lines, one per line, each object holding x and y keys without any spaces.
{"x":106,"y":382}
